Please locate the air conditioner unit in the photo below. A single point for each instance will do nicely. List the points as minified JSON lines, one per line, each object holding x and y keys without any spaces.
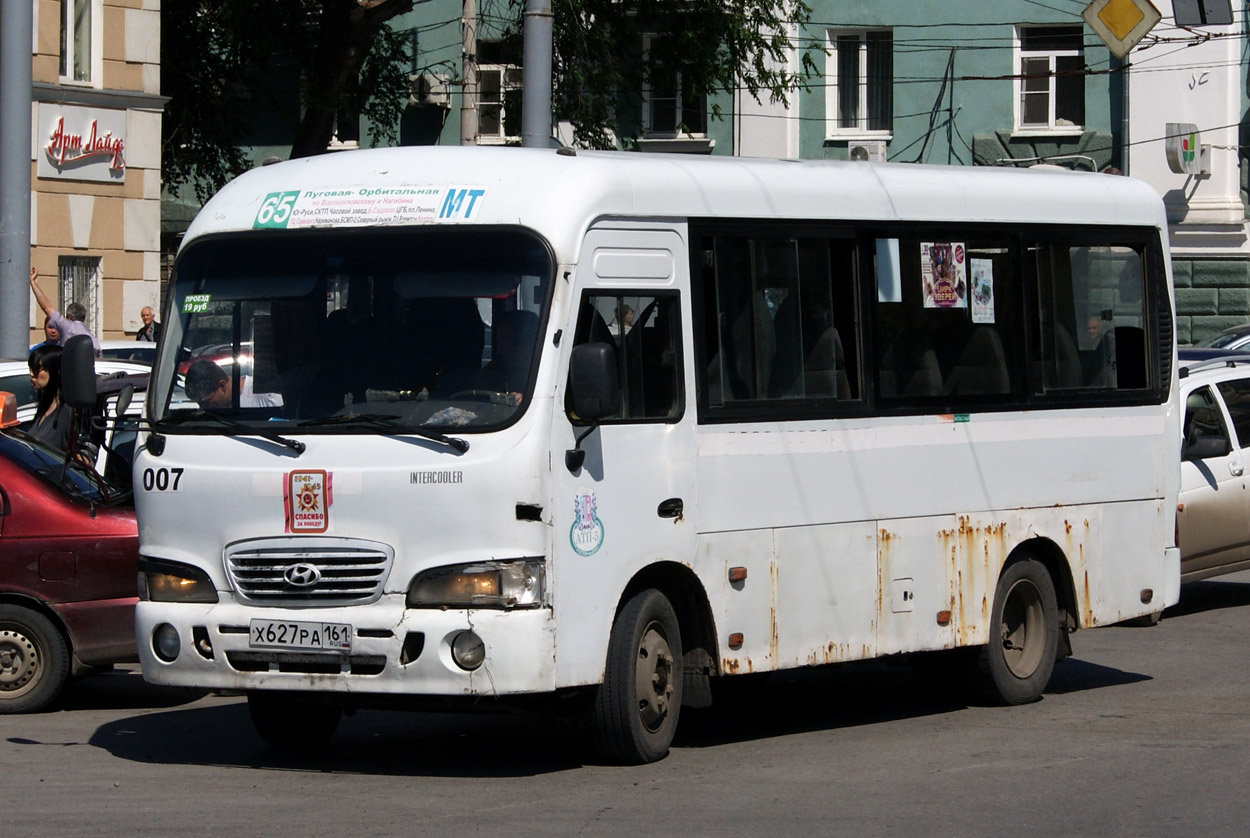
{"x":428,"y":89}
{"x":872,"y":151}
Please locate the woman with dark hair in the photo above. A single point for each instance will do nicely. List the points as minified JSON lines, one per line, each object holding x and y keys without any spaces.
{"x":52,"y":416}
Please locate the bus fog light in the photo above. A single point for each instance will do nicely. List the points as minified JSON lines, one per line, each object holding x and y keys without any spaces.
{"x":166,"y":643}
{"x":468,"y":651}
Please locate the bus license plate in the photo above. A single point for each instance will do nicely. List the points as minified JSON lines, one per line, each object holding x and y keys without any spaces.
{"x":272,"y":634}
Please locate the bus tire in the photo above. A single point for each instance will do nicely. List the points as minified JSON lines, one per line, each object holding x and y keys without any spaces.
{"x":288,"y":721}
{"x":34,"y":660}
{"x":635,"y":711}
{"x":1015,"y":666}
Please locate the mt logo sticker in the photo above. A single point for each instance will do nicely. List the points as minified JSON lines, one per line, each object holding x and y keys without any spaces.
{"x":307,"y":496}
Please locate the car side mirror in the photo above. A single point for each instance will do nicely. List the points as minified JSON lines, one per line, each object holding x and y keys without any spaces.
{"x":1205,"y":447}
{"x":78,"y":387}
{"x":594,"y":391}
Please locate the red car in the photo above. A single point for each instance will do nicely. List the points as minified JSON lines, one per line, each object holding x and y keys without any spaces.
{"x":69,"y":551}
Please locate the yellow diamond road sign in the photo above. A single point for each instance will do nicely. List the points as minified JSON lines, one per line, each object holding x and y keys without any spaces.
{"x":1121,"y":23}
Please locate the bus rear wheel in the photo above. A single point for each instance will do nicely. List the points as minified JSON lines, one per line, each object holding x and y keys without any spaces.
{"x":292,"y":722}
{"x":635,"y":711}
{"x":1015,"y":666}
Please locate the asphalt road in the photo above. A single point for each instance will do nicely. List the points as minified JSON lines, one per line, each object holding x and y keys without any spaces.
{"x":1146,"y":731}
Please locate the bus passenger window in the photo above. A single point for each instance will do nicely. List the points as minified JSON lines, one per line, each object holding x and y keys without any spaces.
{"x":644,"y":331}
{"x":780,"y":320}
{"x":1091,"y":303}
{"x":945,"y":332}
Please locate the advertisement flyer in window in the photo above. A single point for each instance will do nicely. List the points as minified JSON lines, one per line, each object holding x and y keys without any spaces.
{"x":982,"y":290}
{"x":943,"y":271}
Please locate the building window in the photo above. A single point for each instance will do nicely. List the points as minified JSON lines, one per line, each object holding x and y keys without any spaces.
{"x":670,"y":107}
{"x":1050,"y":85}
{"x":860,"y":93}
{"x":499,"y":80}
{"x":79,"y":282}
{"x":80,"y":22}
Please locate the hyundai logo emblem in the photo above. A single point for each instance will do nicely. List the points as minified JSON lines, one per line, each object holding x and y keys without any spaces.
{"x":302,"y":575}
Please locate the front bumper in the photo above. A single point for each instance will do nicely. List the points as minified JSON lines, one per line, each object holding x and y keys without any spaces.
{"x":395,"y":650}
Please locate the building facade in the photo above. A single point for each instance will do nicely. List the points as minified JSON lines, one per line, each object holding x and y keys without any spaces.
{"x":96,"y":159}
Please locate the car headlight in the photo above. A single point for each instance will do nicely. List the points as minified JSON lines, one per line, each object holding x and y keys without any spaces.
{"x":166,"y":581}
{"x":519,"y":583}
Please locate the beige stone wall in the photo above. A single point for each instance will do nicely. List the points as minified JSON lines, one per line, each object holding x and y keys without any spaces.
{"x":116,"y":222}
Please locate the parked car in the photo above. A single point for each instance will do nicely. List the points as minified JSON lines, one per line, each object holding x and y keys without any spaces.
{"x":69,"y":552}
{"x":1232,"y":338}
{"x":1213,"y":511}
{"x":136,"y":351}
{"x":15,"y":379}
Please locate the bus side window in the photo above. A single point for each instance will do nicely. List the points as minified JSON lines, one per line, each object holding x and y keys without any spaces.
{"x":1091,"y":304}
{"x":644,"y":331}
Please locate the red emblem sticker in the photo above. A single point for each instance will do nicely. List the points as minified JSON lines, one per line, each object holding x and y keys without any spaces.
{"x":307,"y":496}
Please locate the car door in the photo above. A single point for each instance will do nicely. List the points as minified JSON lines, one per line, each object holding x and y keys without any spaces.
{"x":1213,"y":518}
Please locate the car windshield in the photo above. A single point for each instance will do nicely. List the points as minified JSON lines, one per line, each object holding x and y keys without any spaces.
{"x":72,"y":479}
{"x":367,"y":331}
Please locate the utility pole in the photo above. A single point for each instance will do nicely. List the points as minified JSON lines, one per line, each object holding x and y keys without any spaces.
{"x":536,"y":87}
{"x":16,"y":24}
{"x":468,"y":92}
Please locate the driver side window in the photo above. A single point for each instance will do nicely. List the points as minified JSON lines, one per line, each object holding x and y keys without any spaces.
{"x":1203,"y":423}
{"x":644,"y":332}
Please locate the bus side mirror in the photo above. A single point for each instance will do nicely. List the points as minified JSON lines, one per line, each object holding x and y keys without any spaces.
{"x":594,"y":391}
{"x":78,"y":387}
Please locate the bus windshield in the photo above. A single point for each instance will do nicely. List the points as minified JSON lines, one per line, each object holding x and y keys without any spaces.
{"x":366,"y":330}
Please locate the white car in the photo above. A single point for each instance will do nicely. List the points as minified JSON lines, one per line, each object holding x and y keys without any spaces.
{"x":138,"y":351}
{"x":1213,"y":511}
{"x":15,"y":379}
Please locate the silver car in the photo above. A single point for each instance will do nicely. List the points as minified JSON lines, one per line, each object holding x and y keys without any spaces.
{"x":1213,"y":512}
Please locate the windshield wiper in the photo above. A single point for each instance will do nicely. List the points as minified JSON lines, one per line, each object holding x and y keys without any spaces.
{"x":389,"y":424}
{"x":248,"y":430}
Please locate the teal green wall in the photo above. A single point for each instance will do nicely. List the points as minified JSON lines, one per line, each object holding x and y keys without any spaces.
{"x":981,"y":35}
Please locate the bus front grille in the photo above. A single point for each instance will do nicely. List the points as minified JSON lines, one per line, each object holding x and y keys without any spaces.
{"x":308,"y":571}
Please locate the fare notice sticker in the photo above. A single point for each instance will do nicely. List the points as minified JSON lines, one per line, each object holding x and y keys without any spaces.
{"x":307,"y":496}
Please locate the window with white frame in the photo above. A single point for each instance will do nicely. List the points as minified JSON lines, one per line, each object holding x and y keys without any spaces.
{"x":499,"y":81}
{"x":1050,"y":78}
{"x":670,"y":107}
{"x":860,"y":94}
{"x":81,"y":34}
{"x":79,"y":282}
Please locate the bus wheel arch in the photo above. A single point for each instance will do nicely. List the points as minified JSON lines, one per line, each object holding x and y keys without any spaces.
{"x":1049,"y":554}
{"x":694,"y":616}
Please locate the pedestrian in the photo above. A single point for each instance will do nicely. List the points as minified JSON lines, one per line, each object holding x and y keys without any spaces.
{"x":67,"y":325}
{"x":151,"y":330}
{"x":52,"y":416}
{"x":51,"y":337}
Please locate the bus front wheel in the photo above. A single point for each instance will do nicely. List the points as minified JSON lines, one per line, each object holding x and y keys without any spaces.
{"x":1015,"y":666}
{"x":635,"y":711}
{"x":288,"y":721}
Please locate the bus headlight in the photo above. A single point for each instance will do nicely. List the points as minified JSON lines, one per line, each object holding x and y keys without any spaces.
{"x":166,"y":581}
{"x":520,"y":583}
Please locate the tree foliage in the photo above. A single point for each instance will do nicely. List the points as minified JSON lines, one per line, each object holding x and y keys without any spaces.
{"x":219,"y":55}
{"x":712,"y":45}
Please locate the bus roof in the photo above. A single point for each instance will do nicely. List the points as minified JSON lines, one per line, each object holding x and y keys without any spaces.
{"x":560,"y":193}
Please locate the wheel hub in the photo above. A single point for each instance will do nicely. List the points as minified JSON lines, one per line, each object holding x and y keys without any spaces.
{"x":19,"y":660}
{"x":654,"y":679}
{"x":1022,"y":628}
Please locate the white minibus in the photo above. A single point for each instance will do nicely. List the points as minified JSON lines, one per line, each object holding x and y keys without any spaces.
{"x":581,"y":431}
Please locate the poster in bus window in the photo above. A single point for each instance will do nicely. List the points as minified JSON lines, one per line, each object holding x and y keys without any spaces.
{"x":944,"y":274}
{"x":982,"y":290}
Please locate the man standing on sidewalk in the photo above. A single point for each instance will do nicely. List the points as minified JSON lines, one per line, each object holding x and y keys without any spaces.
{"x":69,"y":324}
{"x":151,"y":330}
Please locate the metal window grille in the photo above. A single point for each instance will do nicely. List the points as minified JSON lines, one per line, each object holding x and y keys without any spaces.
{"x":79,"y":282}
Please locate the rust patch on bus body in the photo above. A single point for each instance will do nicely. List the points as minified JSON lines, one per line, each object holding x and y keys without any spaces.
{"x":773,"y":643}
{"x":974,"y":553}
